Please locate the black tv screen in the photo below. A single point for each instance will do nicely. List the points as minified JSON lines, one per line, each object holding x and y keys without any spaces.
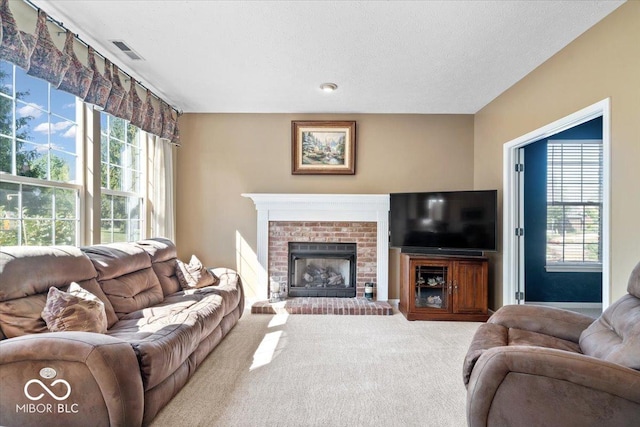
{"x":444,"y":220}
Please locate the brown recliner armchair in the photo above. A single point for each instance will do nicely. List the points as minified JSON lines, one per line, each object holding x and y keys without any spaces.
{"x":542,"y":366}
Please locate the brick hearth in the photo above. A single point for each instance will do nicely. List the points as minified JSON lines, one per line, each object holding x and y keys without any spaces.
{"x":340,"y":306}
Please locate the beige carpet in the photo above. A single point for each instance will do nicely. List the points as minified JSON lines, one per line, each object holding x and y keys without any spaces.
{"x":314,"y":370}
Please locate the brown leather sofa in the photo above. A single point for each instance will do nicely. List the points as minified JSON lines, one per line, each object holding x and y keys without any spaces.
{"x":158,"y":334}
{"x":541,"y":366}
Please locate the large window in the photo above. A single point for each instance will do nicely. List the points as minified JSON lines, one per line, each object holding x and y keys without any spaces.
{"x":122,"y":199}
{"x":574,"y":205}
{"x":40,"y":167}
{"x":42,"y":179}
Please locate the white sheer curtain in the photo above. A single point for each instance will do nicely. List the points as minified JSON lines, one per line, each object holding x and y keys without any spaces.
{"x":162,"y":189}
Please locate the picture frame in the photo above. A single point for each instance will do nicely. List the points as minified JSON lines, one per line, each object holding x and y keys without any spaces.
{"x":321,"y":147}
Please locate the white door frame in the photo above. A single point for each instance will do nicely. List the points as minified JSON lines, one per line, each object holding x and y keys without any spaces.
{"x":519,"y":158}
{"x":510,"y":193}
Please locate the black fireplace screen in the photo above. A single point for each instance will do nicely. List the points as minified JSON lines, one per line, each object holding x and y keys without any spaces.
{"x":322,"y":270}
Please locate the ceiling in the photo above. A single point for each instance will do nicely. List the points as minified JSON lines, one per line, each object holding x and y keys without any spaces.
{"x":385,"y":56}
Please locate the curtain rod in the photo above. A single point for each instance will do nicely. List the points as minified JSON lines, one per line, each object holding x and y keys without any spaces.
{"x":77,"y":37}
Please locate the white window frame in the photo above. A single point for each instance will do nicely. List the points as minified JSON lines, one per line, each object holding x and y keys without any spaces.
{"x":14,"y":178}
{"x":142,"y":195}
{"x":57,"y":185}
{"x":576,"y":266}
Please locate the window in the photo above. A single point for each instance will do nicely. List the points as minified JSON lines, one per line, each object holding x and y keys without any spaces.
{"x":40,"y":170}
{"x":122,"y":198}
{"x":574,"y":205}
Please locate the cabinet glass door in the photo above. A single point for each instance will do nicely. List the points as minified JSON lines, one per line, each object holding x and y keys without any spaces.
{"x":431,"y":286}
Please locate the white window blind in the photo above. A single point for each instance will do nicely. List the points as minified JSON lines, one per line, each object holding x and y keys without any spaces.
{"x":574,"y":201}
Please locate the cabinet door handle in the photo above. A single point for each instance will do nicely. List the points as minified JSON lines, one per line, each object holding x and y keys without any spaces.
{"x":455,"y":286}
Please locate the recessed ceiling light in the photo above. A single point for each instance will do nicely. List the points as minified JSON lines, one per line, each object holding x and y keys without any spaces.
{"x":328,"y":87}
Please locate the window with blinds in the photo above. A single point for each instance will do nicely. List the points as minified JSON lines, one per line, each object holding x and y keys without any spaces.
{"x":574,"y":202}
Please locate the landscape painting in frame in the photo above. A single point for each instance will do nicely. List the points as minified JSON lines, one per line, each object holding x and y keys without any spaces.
{"x":323,"y":148}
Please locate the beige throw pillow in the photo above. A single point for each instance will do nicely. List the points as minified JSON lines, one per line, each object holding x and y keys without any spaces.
{"x":74,"y":310}
{"x":194,"y":275}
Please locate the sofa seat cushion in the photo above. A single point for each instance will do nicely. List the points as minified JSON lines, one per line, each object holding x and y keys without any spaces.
{"x":490,"y":335}
{"x":163,"y":336}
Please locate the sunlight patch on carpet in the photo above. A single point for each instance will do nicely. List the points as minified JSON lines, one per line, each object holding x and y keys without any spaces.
{"x":264,"y":353}
{"x":279,"y":320}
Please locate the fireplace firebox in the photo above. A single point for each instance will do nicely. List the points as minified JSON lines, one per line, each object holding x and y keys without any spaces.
{"x":322,"y":269}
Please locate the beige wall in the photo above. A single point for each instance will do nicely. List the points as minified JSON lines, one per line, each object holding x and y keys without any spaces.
{"x":604,"y":62}
{"x":224,"y":155}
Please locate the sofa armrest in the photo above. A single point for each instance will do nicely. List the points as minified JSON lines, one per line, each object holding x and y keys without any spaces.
{"x":551,"y":321}
{"x":230,"y":280}
{"x":93,"y":379}
{"x":487,"y":336}
{"x":522,"y":385}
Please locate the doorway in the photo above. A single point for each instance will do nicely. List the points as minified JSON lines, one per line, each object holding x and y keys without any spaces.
{"x":514,"y":266}
{"x":561,"y":239}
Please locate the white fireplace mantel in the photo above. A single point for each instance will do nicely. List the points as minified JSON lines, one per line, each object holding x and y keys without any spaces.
{"x":325,"y":207}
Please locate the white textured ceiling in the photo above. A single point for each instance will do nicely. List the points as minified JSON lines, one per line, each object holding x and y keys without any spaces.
{"x":385,"y":56}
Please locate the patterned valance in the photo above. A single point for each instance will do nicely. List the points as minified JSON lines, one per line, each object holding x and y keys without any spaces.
{"x":40,"y":57}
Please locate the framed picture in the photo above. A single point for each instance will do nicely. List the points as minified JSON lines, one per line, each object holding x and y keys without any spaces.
{"x":323,"y":148}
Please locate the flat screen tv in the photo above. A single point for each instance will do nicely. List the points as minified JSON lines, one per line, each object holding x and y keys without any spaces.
{"x":444,"y":221}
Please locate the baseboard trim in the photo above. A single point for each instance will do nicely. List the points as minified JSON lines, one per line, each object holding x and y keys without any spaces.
{"x":570,"y":305}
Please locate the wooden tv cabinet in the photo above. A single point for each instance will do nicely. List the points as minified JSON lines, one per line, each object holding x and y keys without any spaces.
{"x":444,"y":287}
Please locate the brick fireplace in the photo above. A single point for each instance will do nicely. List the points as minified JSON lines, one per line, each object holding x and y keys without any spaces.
{"x":362,"y":234}
{"x":362,"y":219}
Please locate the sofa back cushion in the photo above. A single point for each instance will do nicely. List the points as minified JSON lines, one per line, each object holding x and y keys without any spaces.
{"x":163,"y":261}
{"x":125,"y":276}
{"x":93,"y":287}
{"x":615,"y":336}
{"x":633,"y":287}
{"x":27,"y":273}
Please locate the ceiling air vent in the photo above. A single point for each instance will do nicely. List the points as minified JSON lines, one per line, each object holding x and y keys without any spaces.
{"x":126,"y":49}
